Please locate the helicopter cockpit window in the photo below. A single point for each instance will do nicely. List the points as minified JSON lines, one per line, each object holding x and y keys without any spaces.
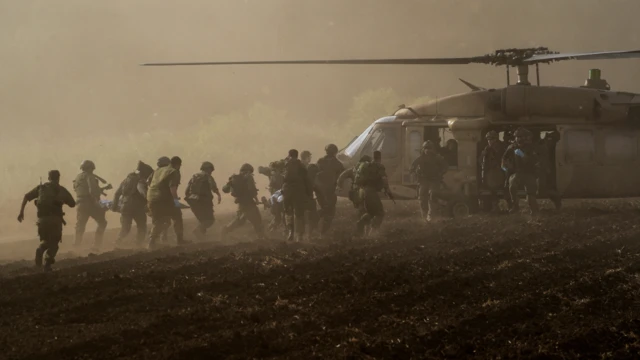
{"x":580,"y":146}
{"x":382,"y":139}
{"x":620,"y":148}
{"x":356,"y":144}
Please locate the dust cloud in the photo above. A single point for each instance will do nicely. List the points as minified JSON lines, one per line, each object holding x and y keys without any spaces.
{"x":70,"y":70}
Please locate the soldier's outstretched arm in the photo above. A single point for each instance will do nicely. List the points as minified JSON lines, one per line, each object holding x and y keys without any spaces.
{"x":31,"y":195}
{"x":69,"y":200}
{"x":117,"y":195}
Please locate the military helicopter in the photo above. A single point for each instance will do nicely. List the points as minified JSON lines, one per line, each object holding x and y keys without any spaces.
{"x":596,"y":155}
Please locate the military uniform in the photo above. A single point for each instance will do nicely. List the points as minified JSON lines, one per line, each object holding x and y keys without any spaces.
{"x":522,"y":161}
{"x":51,"y":197}
{"x":243,"y":188}
{"x":275,"y":174}
{"x":88,"y":194}
{"x":296,"y":191}
{"x":430,"y":168}
{"x":130,"y":200}
{"x":546,"y":148}
{"x":329,"y":169}
{"x":493,"y":177}
{"x":371,"y":178}
{"x":313,"y":217}
{"x":199,"y":195}
{"x":161,"y":204}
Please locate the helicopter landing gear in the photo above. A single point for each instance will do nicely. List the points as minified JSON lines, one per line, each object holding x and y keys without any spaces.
{"x":459,"y":209}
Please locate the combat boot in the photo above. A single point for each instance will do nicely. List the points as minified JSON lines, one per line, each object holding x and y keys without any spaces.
{"x":39,"y":254}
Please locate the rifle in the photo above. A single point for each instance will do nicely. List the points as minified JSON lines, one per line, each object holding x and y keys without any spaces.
{"x":389,"y":195}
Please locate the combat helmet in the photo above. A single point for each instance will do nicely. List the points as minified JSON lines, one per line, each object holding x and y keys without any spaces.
{"x":492,"y":135}
{"x":246,"y":168}
{"x":305,"y":154}
{"x":331,"y":149}
{"x":143,"y":169}
{"x":365,"y":158}
{"x":522,"y":132}
{"x":163,"y":161}
{"x":207,"y":166}
{"x":87,"y":165}
{"x":428,"y":145}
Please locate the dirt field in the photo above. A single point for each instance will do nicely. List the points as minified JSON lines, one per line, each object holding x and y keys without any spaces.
{"x":564,"y":286}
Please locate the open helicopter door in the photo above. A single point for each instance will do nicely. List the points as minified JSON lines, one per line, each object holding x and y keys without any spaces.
{"x":414,"y":137}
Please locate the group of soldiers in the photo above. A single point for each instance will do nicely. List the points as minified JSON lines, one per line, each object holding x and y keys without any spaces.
{"x":521,"y":162}
{"x":303,"y":187}
{"x":303,"y":194}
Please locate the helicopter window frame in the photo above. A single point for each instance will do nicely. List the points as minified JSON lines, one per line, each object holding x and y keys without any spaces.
{"x":576,"y":141}
{"x":615,"y":140}
{"x":385,"y":139}
{"x":356,"y":144}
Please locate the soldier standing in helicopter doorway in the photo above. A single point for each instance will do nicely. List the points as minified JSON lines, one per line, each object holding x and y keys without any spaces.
{"x":430,"y":168}
{"x":521,"y":160}
{"x":199,"y":196}
{"x":88,"y":192}
{"x":493,"y":177}
{"x":329,"y":169}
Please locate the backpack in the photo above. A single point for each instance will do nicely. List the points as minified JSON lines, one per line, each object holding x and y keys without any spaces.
{"x":198,"y":186}
{"x":239,"y":186}
{"x":363,"y":174}
{"x":48,"y":202}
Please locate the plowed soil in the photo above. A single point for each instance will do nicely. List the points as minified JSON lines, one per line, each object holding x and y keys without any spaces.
{"x":565,"y":286}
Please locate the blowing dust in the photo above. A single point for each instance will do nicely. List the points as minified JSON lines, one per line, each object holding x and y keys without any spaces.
{"x":71,"y":88}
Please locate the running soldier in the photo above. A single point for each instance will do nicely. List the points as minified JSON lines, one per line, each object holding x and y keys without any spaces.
{"x":329,"y":169}
{"x":50,"y":197}
{"x":162,"y":197}
{"x":88,"y":192}
{"x":130,"y":200}
{"x":275,"y":172}
{"x":371,"y":177}
{"x":199,"y":195}
{"x":242,"y":187}
{"x":354,"y":190}
{"x":296,"y":191}
{"x":313,"y":217}
{"x":493,"y":177}
{"x":430,"y":168}
{"x":521,"y":160}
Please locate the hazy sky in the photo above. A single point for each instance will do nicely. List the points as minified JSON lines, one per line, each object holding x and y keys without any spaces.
{"x":72,"y":64}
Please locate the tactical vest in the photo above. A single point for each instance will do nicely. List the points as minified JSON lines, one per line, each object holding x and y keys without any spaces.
{"x":48,"y":202}
{"x":368,"y":174}
{"x":199,"y":187}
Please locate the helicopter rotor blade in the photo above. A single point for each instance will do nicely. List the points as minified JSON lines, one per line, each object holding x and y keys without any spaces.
{"x":604,"y":55}
{"x":423,"y":61}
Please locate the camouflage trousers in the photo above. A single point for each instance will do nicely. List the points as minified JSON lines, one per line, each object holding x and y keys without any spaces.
{"x":295,"y":206}
{"x":373,"y":210}
{"x":494,"y":180}
{"x":162,"y":214}
{"x":50,"y":233}
{"x":203,"y":211}
{"x":126,"y":221}
{"x":247,"y":212}
{"x":545,"y":190}
{"x":530,"y":184}
{"x":312,"y":216}
{"x":90,"y":209}
{"x":277,"y":210}
{"x":427,"y":193}
{"x":328,"y":209}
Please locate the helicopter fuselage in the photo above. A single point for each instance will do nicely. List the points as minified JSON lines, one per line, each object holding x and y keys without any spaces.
{"x":596,"y":157}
